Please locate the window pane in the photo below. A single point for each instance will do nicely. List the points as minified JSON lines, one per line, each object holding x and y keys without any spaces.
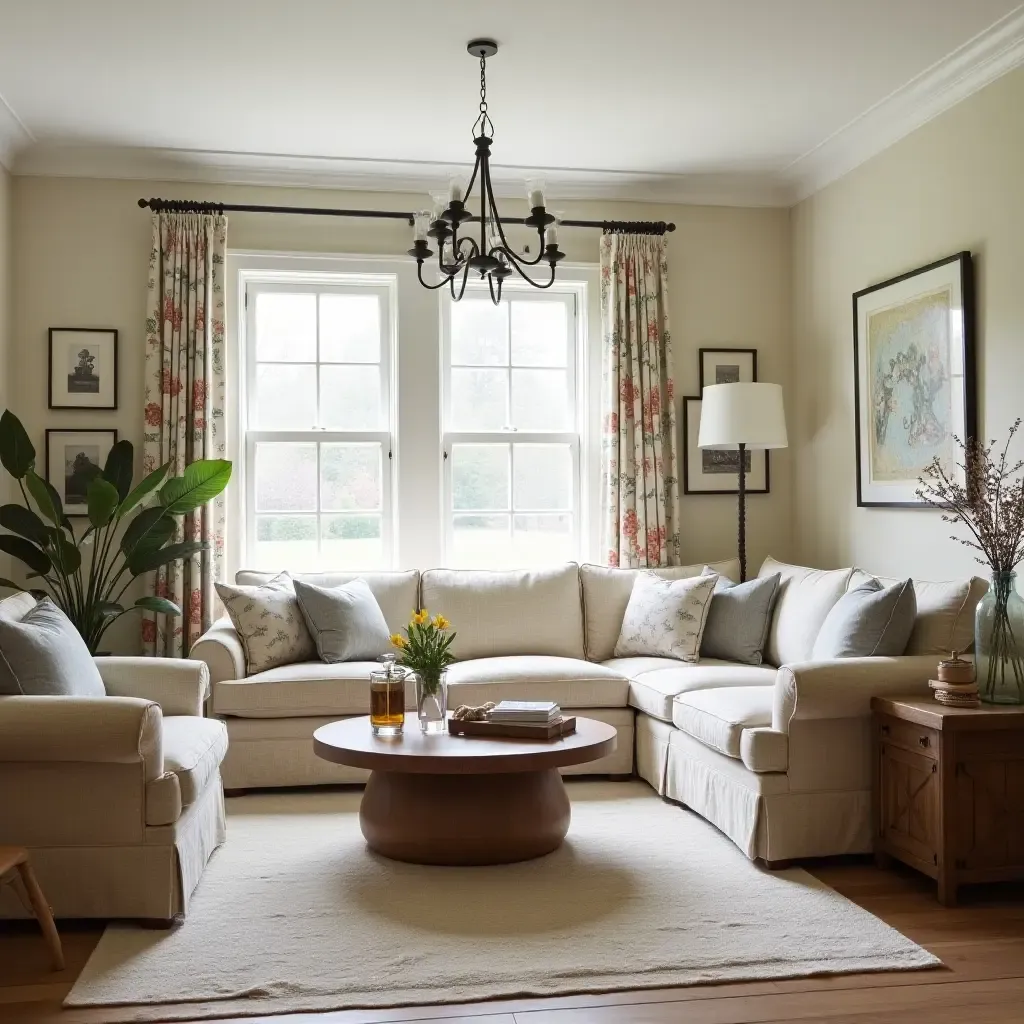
{"x":480,"y":476}
{"x":285,"y":397}
{"x":540,"y":334}
{"x":542,"y":476}
{"x":286,"y":542}
{"x":350,"y":477}
{"x":538,"y":540}
{"x":479,"y":333}
{"x":350,"y":397}
{"x":479,"y":399}
{"x":540,"y":400}
{"x":350,"y":328}
{"x":285,"y":477}
{"x":351,"y":542}
{"x":286,"y":327}
{"x":481,"y":540}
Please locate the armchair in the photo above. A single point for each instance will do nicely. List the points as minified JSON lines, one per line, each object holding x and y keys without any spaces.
{"x":118,"y":798}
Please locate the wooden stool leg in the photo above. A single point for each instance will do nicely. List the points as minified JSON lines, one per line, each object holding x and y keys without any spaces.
{"x":43,"y":915}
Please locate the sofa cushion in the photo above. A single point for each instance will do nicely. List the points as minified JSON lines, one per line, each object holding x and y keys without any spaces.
{"x":805,"y":597}
{"x":868,"y":621}
{"x":717,"y":718}
{"x":572,"y":682}
{"x":507,"y":613}
{"x":397,"y":593}
{"x":665,"y":618}
{"x":606,"y":593}
{"x":345,"y":622}
{"x":654,"y":682}
{"x":738,"y":619}
{"x":193,"y":751}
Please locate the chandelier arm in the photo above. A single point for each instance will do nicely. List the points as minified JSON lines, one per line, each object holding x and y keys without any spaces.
{"x":530,"y":281}
{"x":462,"y":290}
{"x":518,"y":260}
{"x":495,"y":298}
{"x":433,"y":287}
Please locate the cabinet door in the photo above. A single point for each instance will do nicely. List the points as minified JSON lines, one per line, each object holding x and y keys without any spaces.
{"x":909,"y":799}
{"x":989,"y":813}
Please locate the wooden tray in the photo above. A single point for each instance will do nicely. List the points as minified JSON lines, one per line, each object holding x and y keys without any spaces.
{"x":512,"y":730}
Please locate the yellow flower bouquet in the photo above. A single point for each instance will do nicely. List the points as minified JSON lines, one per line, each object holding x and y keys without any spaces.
{"x":424,"y":649}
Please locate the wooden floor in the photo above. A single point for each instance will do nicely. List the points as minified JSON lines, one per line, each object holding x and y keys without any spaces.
{"x":981,"y":942}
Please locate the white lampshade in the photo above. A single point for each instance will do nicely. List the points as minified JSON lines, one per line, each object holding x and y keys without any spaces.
{"x":735,"y":414}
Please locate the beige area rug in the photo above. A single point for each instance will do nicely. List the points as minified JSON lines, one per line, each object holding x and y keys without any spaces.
{"x":294,"y":913}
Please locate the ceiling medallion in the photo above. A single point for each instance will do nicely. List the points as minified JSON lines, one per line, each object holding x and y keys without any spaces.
{"x":485,"y":252}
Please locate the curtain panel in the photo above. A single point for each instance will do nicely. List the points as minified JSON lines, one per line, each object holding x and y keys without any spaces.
{"x":184,"y":408}
{"x":640,"y":489}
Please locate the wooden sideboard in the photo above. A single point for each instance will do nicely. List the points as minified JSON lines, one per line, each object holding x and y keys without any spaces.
{"x":949,"y":790}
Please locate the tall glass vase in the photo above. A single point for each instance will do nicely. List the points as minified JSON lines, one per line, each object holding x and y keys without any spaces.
{"x":999,"y":642}
{"x":432,"y":701}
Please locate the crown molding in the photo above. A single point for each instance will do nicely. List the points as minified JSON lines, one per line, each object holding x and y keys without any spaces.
{"x":14,"y":136}
{"x":140,"y":164}
{"x":969,"y":68}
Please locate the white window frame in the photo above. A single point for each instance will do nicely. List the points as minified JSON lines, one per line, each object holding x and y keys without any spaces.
{"x":573,"y":295}
{"x":255,"y":282}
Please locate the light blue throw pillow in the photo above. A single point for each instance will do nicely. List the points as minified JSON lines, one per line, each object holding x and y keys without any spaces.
{"x":738,"y":620}
{"x":345,"y":622}
{"x":869,"y":621}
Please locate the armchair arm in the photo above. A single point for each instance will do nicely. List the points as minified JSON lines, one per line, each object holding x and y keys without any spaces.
{"x":221,"y":649}
{"x":843,"y":688}
{"x":178,"y":686}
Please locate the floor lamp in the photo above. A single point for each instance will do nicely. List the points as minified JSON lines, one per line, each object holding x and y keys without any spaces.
{"x":747,"y":417}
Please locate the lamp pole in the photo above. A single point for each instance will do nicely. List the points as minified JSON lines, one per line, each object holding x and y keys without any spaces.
{"x":742,"y":525}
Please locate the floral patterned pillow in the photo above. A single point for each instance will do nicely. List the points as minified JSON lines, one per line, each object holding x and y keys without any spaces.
{"x":269,"y":623}
{"x":665,"y":618}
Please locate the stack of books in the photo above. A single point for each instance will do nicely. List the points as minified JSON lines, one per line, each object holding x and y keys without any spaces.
{"x":525,"y":712}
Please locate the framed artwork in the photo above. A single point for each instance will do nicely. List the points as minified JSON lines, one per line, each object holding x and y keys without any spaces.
{"x":73,"y":458}
{"x":727,"y":366}
{"x":706,"y":471}
{"x":83,"y":368}
{"x":914,"y":381}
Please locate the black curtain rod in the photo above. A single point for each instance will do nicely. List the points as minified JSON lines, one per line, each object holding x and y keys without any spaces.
{"x":641,"y":227}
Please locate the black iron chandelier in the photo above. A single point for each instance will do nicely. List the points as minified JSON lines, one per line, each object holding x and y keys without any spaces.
{"x":489,"y":254}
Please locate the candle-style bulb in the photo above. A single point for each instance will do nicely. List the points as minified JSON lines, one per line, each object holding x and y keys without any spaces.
{"x":535,"y":193}
{"x":456,"y":189}
{"x":421,"y":224}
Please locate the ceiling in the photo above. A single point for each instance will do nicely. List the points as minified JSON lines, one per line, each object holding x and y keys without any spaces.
{"x":758,"y":99}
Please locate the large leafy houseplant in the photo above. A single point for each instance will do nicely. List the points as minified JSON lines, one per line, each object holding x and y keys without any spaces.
{"x":87,"y":574}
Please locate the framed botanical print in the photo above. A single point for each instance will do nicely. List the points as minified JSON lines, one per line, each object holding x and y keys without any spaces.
{"x":914,"y":380}
{"x":708,"y":471}
{"x":83,"y":368}
{"x":73,"y":458}
{"x":727,"y":366}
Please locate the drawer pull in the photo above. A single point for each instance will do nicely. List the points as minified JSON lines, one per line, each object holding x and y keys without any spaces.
{"x":885,"y":730}
{"x":922,"y":741}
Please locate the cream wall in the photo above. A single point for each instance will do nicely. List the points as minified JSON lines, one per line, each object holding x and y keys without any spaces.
{"x":6,"y":318}
{"x":956,"y":183}
{"x":83,"y":249}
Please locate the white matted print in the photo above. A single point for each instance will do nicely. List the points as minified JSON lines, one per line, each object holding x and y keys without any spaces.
{"x":73,"y":458}
{"x":83,"y":368}
{"x":710,"y":471}
{"x":727,"y":366}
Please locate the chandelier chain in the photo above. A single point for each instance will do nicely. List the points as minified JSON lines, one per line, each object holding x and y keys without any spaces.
{"x":483,"y":124}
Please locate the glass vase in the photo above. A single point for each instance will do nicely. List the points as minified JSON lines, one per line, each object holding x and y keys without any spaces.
{"x":432,"y":701}
{"x":999,"y":642}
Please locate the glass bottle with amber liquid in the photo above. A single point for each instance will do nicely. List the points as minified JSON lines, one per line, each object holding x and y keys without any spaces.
{"x":387,"y":698}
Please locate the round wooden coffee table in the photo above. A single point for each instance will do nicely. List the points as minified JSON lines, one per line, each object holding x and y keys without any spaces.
{"x":445,"y":799}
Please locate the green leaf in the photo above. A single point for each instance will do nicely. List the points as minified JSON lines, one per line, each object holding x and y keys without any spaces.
{"x":158,"y":604}
{"x":24,"y":522}
{"x":43,"y":498}
{"x":101,"y":500}
{"x":16,"y":451}
{"x":68,"y":554}
{"x":108,"y":609}
{"x":145,"y":561}
{"x":118,"y":468}
{"x":145,"y":488}
{"x":11,"y":585}
{"x":38,"y":561}
{"x":152,"y":527}
{"x":200,"y":482}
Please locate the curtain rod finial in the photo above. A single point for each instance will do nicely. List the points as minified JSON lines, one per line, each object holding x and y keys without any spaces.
{"x":143,"y":203}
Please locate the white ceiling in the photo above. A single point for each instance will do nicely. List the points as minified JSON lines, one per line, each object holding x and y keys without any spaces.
{"x":640,"y":97}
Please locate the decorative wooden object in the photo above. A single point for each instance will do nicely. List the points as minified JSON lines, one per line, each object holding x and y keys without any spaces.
{"x":442,"y":799}
{"x":15,"y":859}
{"x":515,"y":730}
{"x":949,"y":790}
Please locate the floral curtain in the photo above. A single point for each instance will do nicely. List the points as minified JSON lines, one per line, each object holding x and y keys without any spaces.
{"x":640,"y":502}
{"x":184,"y":407}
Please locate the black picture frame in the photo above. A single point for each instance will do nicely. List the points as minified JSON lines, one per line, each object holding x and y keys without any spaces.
{"x":54,"y":395}
{"x":704,"y":353}
{"x":692,"y":456}
{"x":956,"y":273}
{"x":72,"y":508}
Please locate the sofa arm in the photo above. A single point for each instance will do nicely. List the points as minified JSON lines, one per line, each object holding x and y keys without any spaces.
{"x":97,"y":730}
{"x":843,"y":688}
{"x":177,"y":685}
{"x":221,"y":649}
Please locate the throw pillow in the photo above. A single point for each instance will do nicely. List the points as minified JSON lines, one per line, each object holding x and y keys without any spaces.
{"x":868,"y":621}
{"x":43,"y":655}
{"x":738,"y":619}
{"x":665,"y":618}
{"x":269,"y":623}
{"x":346,"y":622}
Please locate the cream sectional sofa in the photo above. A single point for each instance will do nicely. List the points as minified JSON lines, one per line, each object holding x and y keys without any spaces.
{"x":777,"y":756}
